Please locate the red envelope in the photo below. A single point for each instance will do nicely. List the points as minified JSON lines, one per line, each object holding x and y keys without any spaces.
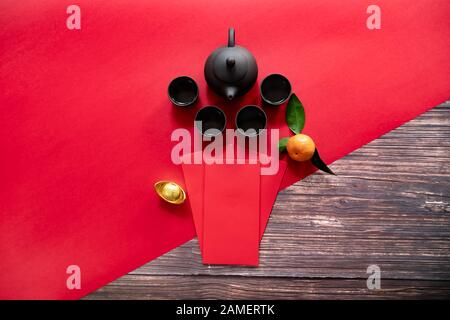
{"x":194,"y":178}
{"x":231,"y":206}
{"x":85,"y":120}
{"x":270,"y":185}
{"x":194,"y":181}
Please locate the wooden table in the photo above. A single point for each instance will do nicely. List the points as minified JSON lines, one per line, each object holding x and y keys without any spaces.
{"x":388,"y":207}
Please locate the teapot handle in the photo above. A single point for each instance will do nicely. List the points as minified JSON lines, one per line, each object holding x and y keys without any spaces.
{"x":231,"y":37}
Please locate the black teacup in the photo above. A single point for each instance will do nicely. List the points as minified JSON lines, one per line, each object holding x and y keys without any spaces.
{"x":183,"y":91}
{"x":275,"y":89}
{"x":211,"y":117}
{"x":250,"y":120}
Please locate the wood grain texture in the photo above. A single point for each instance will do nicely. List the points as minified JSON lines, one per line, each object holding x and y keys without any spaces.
{"x":140,"y":287}
{"x":389,"y":206}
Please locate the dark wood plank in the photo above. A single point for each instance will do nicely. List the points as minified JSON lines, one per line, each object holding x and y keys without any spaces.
{"x":236,"y":287}
{"x":389,"y":205}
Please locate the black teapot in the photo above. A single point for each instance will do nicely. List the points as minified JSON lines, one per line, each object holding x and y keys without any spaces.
{"x":231,"y":71}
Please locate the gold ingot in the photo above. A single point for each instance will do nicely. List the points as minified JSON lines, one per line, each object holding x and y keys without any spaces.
{"x":170,"y":191}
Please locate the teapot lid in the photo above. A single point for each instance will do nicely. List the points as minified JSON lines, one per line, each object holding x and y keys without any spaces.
{"x":231,"y":63}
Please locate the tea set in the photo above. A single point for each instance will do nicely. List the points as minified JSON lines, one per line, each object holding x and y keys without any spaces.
{"x":231,"y":71}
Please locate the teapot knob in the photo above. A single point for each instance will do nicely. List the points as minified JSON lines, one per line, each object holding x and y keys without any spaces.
{"x":231,"y":37}
{"x":230,"y":62}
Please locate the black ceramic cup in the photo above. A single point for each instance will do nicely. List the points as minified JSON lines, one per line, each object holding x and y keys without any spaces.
{"x":210,"y":117}
{"x":251,"y":117}
{"x":275,"y":89}
{"x":183,"y":91}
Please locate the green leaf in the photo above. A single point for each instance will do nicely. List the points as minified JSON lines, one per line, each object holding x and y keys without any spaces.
{"x":282,"y":144}
{"x":319,"y":163}
{"x":295,"y":114}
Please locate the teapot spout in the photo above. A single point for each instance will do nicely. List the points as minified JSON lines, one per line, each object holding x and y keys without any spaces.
{"x":230,"y":92}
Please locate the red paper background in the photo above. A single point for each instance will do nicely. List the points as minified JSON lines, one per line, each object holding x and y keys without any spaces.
{"x":85,"y":121}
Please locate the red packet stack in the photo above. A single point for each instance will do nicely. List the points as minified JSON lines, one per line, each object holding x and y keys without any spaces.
{"x":231,"y":204}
